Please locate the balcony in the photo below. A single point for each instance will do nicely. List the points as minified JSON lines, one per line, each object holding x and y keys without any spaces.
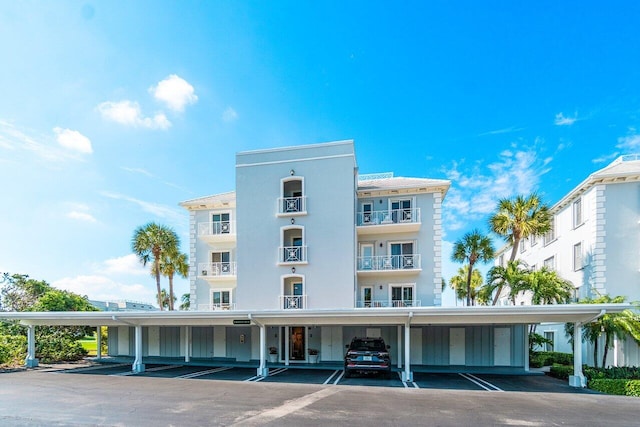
{"x":395,"y":264}
{"x":216,"y":306}
{"x":388,"y":303}
{"x":217,"y":231}
{"x":292,"y":206}
{"x":293,"y":302}
{"x":215,"y":271}
{"x":292,"y":255}
{"x":388,"y":221}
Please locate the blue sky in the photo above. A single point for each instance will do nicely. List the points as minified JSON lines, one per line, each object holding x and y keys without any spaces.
{"x":112,"y":112}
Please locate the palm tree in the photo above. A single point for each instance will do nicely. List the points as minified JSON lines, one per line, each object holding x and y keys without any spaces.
{"x":611,"y":325}
{"x":170,"y":264}
{"x":547,"y":287}
{"x":151,"y":242}
{"x":166,"y":299}
{"x":185,"y":301}
{"x":471,"y":248}
{"x":519,"y":218}
{"x":513,"y":276}
{"x":458,"y":284}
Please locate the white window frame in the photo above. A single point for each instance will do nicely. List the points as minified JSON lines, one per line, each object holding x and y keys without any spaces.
{"x":534,"y":239}
{"x":302,"y":279}
{"x":283,"y":181}
{"x":412,"y":205}
{"x":361,"y":255}
{"x":577,"y":257}
{"x":550,"y":265}
{"x":283,"y":230}
{"x":577,"y":210}
{"x":214,"y":290}
{"x":550,"y":236}
{"x":523,"y":245}
{"x":553,"y":340}
{"x":403,"y":286}
{"x":362,"y":290}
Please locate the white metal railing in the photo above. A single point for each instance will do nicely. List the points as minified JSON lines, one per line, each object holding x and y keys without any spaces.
{"x":217,"y":269}
{"x":288,"y":205}
{"x":216,"y":228}
{"x":388,"y":303}
{"x":217,"y":306}
{"x":292,"y":253}
{"x":389,"y":262}
{"x":392,"y":216}
{"x":293,"y":302}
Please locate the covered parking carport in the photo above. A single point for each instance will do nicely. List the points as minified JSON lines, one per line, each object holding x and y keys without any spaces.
{"x":401,"y":318}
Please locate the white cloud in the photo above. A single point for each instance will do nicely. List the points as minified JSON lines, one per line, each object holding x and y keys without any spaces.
{"x":21,"y":139}
{"x":73,"y":140}
{"x":156,"y":209}
{"x":127,"y":264}
{"x":630,"y":142}
{"x":476,"y":189}
{"x":175,"y":92}
{"x":128,"y":113}
{"x":102,"y":288}
{"x":561,"y":120}
{"x":81,"y":216}
{"x":229,"y":115}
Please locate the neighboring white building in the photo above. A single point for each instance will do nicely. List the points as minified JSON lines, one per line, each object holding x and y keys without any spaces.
{"x":122,"y":305}
{"x":595,"y":244}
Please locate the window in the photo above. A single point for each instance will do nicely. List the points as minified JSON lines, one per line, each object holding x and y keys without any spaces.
{"x":401,"y":210}
{"x":550,"y":263}
{"x":550,"y":236}
{"x":549,"y":335}
{"x":292,"y":247}
{"x":366,"y":260}
{"x":292,"y":200}
{"x":534,"y":239}
{"x":501,"y":260}
{"x":220,"y":263}
{"x":293,"y":296}
{"x":402,"y":256}
{"x":577,"y":256}
{"x":367,"y":213}
{"x":522,"y":245}
{"x":367,"y":293}
{"x":402,"y":295}
{"x":220,"y":223}
{"x":221,"y":299}
{"x":577,"y":213}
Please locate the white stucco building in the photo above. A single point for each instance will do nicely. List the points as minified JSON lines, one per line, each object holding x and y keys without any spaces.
{"x":595,"y":244}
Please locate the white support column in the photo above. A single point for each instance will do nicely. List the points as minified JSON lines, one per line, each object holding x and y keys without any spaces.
{"x":187,"y":344}
{"x":399,"y":346}
{"x":262,"y":369}
{"x":526,"y":348}
{"x":31,"y":361}
{"x":616,"y":348}
{"x":138,"y":366}
{"x":407,"y":375}
{"x":286,"y":345}
{"x":577,"y":379}
{"x":99,"y":344}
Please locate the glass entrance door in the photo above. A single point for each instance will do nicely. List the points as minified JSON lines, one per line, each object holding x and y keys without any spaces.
{"x":297,"y":342}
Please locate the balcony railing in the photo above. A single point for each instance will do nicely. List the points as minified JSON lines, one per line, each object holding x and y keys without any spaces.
{"x":388,"y":303}
{"x":393,"y":216}
{"x":293,"y":302}
{"x":292,"y":205}
{"x":216,"y":228}
{"x":389,"y":262}
{"x":292,"y":254}
{"x":217,"y":269}
{"x":217,"y":306}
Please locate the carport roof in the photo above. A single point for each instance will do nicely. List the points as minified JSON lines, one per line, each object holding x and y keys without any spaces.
{"x":357,"y":316}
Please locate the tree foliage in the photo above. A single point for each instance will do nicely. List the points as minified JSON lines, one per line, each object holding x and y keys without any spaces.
{"x":459,"y":284}
{"x":471,"y":248}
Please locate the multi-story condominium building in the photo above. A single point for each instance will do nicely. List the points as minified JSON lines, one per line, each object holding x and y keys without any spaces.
{"x":595,"y":244}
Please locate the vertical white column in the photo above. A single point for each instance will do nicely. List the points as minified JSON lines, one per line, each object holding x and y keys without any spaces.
{"x":99,"y":344}
{"x":407,"y":375}
{"x":187,"y":344}
{"x":526,"y":348}
{"x":31,"y":361}
{"x":286,"y":345}
{"x":262,"y":369}
{"x":577,"y":379}
{"x":138,"y":366}
{"x":399,"y":346}
{"x":615,"y":351}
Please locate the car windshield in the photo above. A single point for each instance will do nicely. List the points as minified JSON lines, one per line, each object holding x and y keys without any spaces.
{"x":368,"y":345}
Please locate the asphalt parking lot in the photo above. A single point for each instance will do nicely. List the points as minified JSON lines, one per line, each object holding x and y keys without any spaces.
{"x":169,"y":395}
{"x":297,"y":375}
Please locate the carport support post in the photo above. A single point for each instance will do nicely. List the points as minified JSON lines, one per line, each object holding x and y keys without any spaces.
{"x":187,"y":344}
{"x":99,"y":344}
{"x":286,"y":345}
{"x":262,"y":369}
{"x":399,"y":346}
{"x":138,"y":366}
{"x":577,"y":379}
{"x":31,"y":361}
{"x":407,"y":375}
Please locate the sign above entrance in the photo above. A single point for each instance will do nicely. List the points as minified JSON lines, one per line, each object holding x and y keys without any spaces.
{"x":241,"y":321}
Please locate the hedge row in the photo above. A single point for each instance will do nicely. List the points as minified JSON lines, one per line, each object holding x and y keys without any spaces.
{"x":13,"y":349}
{"x":616,"y":386}
{"x":561,"y":371}
{"x":613,"y":373}
{"x":537,"y":359}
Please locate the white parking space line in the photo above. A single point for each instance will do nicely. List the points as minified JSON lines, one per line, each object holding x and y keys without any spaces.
{"x":403,"y":383}
{"x":339,"y":378}
{"x":406,"y":383}
{"x":480,"y":382}
{"x":88,"y":368}
{"x":159,"y":368}
{"x":201,"y":373}
{"x":331,"y":376}
{"x":495,"y":388}
{"x":258,"y":378}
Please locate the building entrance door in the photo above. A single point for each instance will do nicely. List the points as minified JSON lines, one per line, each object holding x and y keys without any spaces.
{"x":297,"y":343}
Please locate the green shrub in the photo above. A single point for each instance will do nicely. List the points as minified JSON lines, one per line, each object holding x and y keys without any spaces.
{"x":59,"y":349}
{"x":561,"y":371}
{"x":13,"y":349}
{"x":538,"y":359}
{"x":621,"y":372}
{"x":620,"y":387}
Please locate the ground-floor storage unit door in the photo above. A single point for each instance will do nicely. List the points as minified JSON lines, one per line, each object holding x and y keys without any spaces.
{"x":416,"y":346}
{"x":332,"y":344}
{"x":202,"y":341}
{"x":239,"y":343}
{"x":502,"y":346}
{"x":170,"y":341}
{"x":457,"y":346}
